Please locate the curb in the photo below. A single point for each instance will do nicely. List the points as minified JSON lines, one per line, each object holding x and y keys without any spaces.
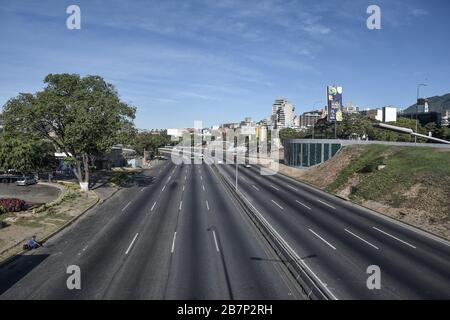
{"x":63,"y":191}
{"x":68,"y":223}
{"x":110,"y":196}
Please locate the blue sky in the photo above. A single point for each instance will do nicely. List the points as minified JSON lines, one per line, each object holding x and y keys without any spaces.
{"x":219,"y":61}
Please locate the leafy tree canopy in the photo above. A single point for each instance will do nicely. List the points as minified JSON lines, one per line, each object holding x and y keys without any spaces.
{"x":83,"y":116}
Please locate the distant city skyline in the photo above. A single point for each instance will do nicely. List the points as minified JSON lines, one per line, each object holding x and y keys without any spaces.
{"x":223,"y":61}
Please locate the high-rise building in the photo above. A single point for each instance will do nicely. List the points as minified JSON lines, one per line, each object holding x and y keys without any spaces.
{"x":350,"y":108}
{"x":283,"y":112}
{"x":309,"y":119}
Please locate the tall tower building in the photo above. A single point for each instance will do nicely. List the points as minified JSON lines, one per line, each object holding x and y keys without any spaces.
{"x":283,"y":110}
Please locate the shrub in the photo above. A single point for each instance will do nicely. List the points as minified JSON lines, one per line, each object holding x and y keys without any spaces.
{"x":12,"y":205}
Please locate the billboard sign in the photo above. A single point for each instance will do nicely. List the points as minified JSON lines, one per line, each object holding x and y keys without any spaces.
{"x":334,"y":99}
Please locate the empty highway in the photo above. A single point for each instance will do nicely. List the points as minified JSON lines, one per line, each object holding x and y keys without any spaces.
{"x":339,"y":240}
{"x":176,"y":234}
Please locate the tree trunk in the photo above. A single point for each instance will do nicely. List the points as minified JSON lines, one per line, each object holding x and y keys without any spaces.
{"x":78,"y":171}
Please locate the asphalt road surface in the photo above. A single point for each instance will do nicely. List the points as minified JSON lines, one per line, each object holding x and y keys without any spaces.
{"x":176,"y":234}
{"x":38,"y":193}
{"x":339,"y":240}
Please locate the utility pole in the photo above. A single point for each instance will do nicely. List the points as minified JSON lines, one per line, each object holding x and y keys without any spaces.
{"x":335,"y":125}
{"x":417,"y":108}
{"x":314,"y":122}
{"x":236,"y":171}
{"x":236,"y":159}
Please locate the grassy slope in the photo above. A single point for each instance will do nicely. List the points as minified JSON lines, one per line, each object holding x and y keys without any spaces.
{"x":405,"y":167}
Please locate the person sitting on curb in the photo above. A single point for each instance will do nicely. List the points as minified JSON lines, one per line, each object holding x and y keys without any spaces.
{"x":32,"y":243}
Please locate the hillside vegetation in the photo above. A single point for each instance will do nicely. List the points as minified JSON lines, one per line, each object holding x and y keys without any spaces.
{"x":436,"y":104}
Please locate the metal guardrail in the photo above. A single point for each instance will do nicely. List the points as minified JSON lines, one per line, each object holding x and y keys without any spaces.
{"x":312,"y":286}
{"x":363,"y":142}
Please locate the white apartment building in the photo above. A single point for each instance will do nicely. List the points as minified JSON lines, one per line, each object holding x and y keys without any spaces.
{"x":283,"y":112}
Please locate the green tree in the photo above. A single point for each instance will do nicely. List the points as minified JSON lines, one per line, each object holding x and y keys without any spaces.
{"x":82,"y":117}
{"x":25,"y":154}
{"x":151,"y":141}
{"x":290,"y":133}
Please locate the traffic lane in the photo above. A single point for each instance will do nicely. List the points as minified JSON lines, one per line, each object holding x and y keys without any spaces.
{"x":104,"y":253}
{"x":435,"y":263}
{"x":251,"y":272}
{"x":424,"y":281}
{"x":429,"y":242}
{"x":195,"y":272}
{"x":344,"y":280}
{"x":144,"y":272}
{"x":48,"y":278}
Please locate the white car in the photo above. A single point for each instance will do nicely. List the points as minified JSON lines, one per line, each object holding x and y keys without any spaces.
{"x":25,"y":181}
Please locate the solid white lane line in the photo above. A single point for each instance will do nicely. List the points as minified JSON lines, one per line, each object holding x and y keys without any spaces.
{"x":328,"y":205}
{"x":390,"y":235}
{"x":126,"y":206}
{"x":275,"y":188}
{"x":131,"y":244}
{"x":292,"y":187}
{"x":153,"y":206}
{"x":362,"y":239}
{"x":255,"y":187}
{"x":303,"y":205}
{"x":203,"y":188}
{"x":215,"y":241}
{"x":322,"y":239}
{"x":324,"y":285}
{"x":163,"y":187}
{"x":277,"y":205}
{"x":207,"y":205}
{"x":181,"y":204}
{"x":173,"y":241}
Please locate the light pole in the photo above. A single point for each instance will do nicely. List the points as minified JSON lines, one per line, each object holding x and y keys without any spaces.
{"x":314,"y":122}
{"x":236,"y":171}
{"x":417,"y":107}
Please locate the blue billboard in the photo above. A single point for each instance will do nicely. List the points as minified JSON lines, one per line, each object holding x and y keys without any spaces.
{"x":334,"y":98}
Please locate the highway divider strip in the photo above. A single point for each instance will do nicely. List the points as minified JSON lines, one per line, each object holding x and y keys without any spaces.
{"x":312,"y":286}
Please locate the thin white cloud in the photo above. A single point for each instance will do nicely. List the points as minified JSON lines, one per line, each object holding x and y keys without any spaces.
{"x":418,"y":12}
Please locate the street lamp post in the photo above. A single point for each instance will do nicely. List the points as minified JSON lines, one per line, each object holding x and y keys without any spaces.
{"x":236,"y":170}
{"x":314,"y":123}
{"x":417,"y":108}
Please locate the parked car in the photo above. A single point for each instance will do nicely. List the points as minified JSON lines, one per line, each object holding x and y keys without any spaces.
{"x":25,"y":181}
